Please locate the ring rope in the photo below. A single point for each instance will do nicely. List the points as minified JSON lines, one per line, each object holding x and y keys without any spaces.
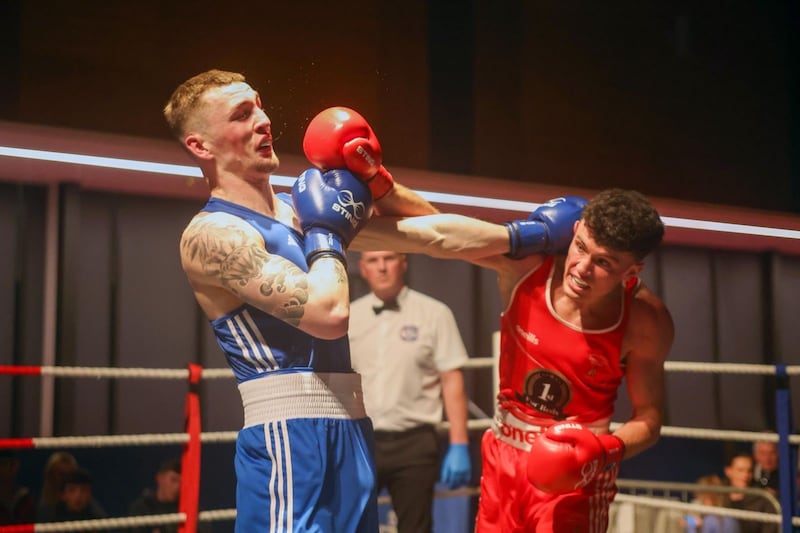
{"x":683,"y":366}
{"x":728,"y":368}
{"x":99,"y":441}
{"x":473,"y":362}
{"x":667,"y":487}
{"x":106,"y":372}
{"x":756,"y":516}
{"x":145,"y":439}
{"x":100,"y":523}
{"x":214,"y":515}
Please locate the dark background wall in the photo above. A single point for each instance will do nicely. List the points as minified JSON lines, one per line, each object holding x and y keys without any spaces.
{"x":689,"y":100}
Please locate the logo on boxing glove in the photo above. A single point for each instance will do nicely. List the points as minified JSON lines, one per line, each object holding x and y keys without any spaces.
{"x":588,"y":471}
{"x":356,"y":210}
{"x":554,"y":201}
{"x":367,"y":157}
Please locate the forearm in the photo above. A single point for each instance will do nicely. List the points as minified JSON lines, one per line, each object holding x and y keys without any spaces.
{"x":455,"y":405}
{"x":402,"y":201}
{"x":650,"y":335}
{"x":446,"y":236}
{"x":640,"y":433}
{"x":327,"y":311}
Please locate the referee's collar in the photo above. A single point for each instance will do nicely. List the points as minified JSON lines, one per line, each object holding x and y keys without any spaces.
{"x":396,"y":304}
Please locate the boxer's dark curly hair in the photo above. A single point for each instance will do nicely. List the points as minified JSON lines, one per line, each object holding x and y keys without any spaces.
{"x":624,"y":221}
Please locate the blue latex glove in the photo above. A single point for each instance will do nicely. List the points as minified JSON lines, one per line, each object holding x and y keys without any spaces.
{"x":456,"y":467}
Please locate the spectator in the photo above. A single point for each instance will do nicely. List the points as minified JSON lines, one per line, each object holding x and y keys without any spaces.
{"x":765,"y":470}
{"x":163,"y":500}
{"x":77,"y":501}
{"x":58,"y":465}
{"x":409,"y":352}
{"x":739,"y":474}
{"x":709,"y":522}
{"x":17,"y":505}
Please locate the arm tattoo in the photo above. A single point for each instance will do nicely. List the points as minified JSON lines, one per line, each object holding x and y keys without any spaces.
{"x":341,"y":273}
{"x":292,"y":309}
{"x":225,"y":252}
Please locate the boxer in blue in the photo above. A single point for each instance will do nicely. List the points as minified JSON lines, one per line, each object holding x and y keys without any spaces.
{"x":269,"y":272}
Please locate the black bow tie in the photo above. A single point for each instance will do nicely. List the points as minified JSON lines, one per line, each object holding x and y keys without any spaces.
{"x":391,"y":305}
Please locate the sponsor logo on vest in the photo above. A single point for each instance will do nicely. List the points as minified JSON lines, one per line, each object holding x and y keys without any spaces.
{"x":527,"y":335}
{"x":547,"y":392}
{"x":522,"y":436}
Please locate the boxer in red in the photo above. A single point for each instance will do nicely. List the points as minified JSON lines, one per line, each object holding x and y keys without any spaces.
{"x":576,"y":320}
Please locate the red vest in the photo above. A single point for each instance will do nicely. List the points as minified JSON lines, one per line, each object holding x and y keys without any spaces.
{"x":551,"y":369}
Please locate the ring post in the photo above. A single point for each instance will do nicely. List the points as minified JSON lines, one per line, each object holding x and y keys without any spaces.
{"x":190,"y":461}
{"x":787,"y":460}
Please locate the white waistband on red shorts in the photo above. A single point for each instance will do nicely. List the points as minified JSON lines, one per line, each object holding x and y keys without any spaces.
{"x":302,"y":395}
{"x":520,"y":434}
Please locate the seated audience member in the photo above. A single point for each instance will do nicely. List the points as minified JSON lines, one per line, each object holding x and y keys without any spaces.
{"x":58,"y":465}
{"x":709,"y":522}
{"x":161,"y":500}
{"x":739,"y":474}
{"x":765,"y":466}
{"x":164,"y":499}
{"x":77,"y":501}
{"x":17,"y":505}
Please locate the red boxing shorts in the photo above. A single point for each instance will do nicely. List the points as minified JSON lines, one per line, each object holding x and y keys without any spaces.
{"x":509,"y":502}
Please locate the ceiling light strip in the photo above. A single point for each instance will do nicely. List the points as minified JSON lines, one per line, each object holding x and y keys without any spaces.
{"x":436,"y":197}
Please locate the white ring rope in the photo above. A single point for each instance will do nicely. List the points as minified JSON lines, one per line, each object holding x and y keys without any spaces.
{"x":146,"y":373}
{"x":112,"y":523}
{"x":146,"y":439}
{"x":683,"y":366}
{"x":473,"y":362}
{"x":727,"y":368}
{"x":215,"y":515}
{"x":668,"y":487}
{"x":99,"y":441}
{"x":703,"y":509}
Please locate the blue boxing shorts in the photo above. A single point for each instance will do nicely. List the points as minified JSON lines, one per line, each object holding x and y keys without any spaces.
{"x":304,"y":460}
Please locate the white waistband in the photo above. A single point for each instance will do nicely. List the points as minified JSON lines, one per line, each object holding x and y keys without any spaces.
{"x":520,"y":434}
{"x":301,"y":395}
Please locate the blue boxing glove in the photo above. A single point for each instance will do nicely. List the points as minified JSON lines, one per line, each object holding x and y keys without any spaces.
{"x":456,"y":467}
{"x":548,"y":230}
{"x":332,"y":208}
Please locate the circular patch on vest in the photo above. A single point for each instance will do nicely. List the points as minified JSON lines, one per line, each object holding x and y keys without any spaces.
{"x":547,"y":392}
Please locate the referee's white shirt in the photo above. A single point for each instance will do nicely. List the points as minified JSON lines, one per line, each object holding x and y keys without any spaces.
{"x":400,"y":354}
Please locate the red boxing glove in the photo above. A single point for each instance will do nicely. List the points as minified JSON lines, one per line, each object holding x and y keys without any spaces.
{"x":339,"y":137}
{"x":567,"y":456}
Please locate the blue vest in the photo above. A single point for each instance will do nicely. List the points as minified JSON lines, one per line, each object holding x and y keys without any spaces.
{"x":256,"y":343}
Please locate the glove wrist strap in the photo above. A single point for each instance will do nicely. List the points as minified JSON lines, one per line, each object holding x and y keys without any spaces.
{"x":526,"y":237}
{"x":320,"y":242}
{"x":614,"y":447}
{"x":381,"y":183}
